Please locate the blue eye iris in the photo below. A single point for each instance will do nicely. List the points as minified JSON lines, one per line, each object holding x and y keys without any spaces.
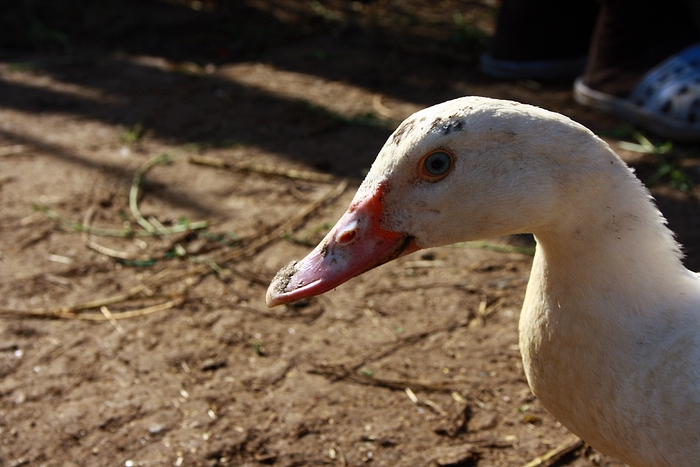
{"x":438,"y":163}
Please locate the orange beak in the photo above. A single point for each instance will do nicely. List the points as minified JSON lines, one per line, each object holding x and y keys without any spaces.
{"x":356,"y":244}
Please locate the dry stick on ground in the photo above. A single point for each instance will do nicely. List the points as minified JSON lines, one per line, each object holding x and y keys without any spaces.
{"x":427,"y":402}
{"x":391,"y":347}
{"x":261,"y":240}
{"x":72,"y":311}
{"x":150,"y":229}
{"x":349,"y":373}
{"x":87,"y":220}
{"x":110,"y":252}
{"x":37,"y":236}
{"x":256,"y":245}
{"x":286,"y":227}
{"x":11,"y":150}
{"x":569,"y":445}
{"x":199,"y":270}
{"x":249,"y":249}
{"x":263,"y":170}
{"x":108,"y":314}
{"x":69,"y":313}
{"x":129,"y":295}
{"x":334,"y":373}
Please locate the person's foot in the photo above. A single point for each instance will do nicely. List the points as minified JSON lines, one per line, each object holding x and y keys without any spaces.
{"x":629,"y":72}
{"x":666,"y":101}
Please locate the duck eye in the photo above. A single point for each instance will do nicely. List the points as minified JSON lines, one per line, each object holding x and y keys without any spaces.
{"x":435,"y":166}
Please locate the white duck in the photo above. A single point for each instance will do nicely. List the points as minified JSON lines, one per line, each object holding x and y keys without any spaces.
{"x":610,"y":326}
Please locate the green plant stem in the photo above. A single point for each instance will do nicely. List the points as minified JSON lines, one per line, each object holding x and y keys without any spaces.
{"x":134,"y":192}
{"x":123,"y":233}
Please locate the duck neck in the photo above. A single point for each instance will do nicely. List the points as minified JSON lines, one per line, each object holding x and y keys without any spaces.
{"x":611,"y":246}
{"x":605,"y":284}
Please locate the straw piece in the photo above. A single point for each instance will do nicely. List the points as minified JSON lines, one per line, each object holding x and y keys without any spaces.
{"x":569,"y":445}
{"x":135,"y":185}
{"x":71,"y":312}
{"x":12,"y":150}
{"x":287,"y":226}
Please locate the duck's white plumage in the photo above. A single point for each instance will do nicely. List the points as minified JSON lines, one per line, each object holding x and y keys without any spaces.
{"x":610,"y":326}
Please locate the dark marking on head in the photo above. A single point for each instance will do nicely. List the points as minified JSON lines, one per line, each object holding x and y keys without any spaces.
{"x":445,"y":126}
{"x":404,"y":128}
{"x":456,"y":125}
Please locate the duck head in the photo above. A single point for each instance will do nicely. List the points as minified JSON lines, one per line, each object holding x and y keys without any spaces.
{"x":462,"y":170}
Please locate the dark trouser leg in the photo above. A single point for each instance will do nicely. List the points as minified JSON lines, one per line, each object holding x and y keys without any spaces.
{"x":543,"y":29}
{"x":633,"y":36}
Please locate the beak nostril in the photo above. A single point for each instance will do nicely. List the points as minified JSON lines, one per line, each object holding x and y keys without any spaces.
{"x":347,"y":236}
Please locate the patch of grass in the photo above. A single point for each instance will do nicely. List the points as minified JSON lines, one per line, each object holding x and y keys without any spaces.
{"x":125,"y":232}
{"x":667,"y":162}
{"x":22,"y":66}
{"x":531,"y":84}
{"x":468,"y":34}
{"x":258,"y":349}
{"x":137,"y":263}
{"x":38,"y":33}
{"x":133,"y":134}
{"x":226,"y":238}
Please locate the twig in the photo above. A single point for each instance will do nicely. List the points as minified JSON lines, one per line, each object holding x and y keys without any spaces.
{"x":34,"y":238}
{"x":11,"y":150}
{"x":336,"y":373}
{"x":155,"y":222}
{"x":391,"y":347}
{"x":105,"y":311}
{"x":350,"y":372}
{"x":569,"y":445}
{"x":439,"y":410}
{"x":129,"y":295}
{"x":71,"y":313}
{"x":287,"y":226}
{"x":134,"y":192}
{"x":428,"y":403}
{"x":87,"y":220}
{"x":112,"y":253}
{"x":262,"y":169}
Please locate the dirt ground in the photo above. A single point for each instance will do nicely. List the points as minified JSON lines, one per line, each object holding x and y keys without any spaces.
{"x":132,"y":334}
